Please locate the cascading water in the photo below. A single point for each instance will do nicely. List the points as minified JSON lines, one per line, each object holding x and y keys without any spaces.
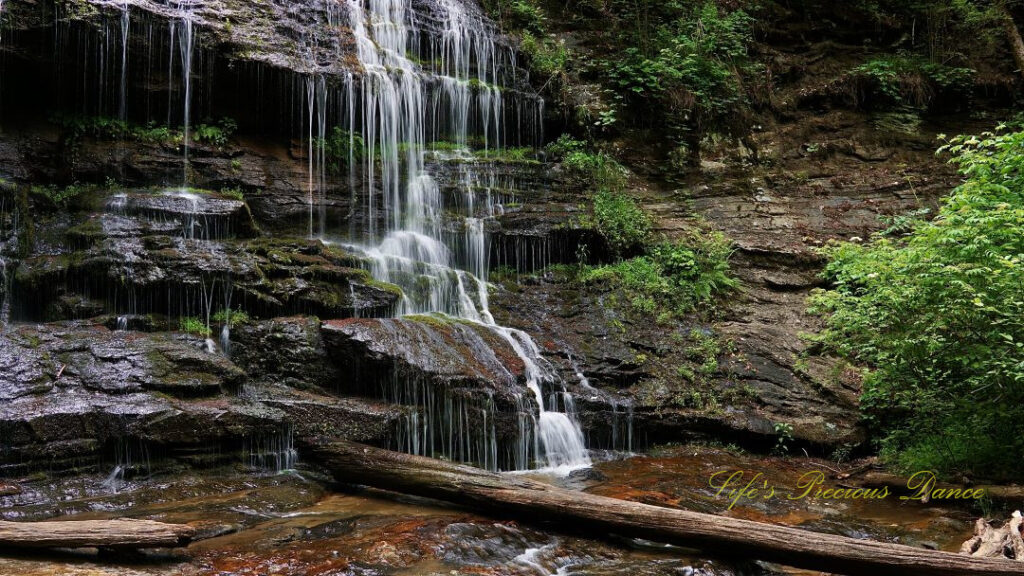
{"x":451,"y":91}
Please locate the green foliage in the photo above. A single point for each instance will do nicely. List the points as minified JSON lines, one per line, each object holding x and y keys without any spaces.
{"x":61,"y":197}
{"x":594,"y":169}
{"x":521,"y":155}
{"x":689,"y":68}
{"x":944,"y":30}
{"x":700,"y":264}
{"x":621,"y":221}
{"x":673,"y":278}
{"x":563,"y":146}
{"x":517,"y":15}
{"x":548,"y":57}
{"x":231,"y":317}
{"x":938,"y":316}
{"x":216,"y":134}
{"x":784,"y":435}
{"x":74,"y":127}
{"x":193,"y":325}
{"x":233,"y":193}
{"x":340,"y":147}
{"x":906,"y":79}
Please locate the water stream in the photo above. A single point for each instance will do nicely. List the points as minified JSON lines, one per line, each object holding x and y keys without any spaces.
{"x":405,"y":106}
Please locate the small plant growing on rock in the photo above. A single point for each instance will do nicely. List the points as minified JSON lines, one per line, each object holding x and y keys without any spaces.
{"x":193,"y":325}
{"x":231,"y":317}
{"x":784,"y":435}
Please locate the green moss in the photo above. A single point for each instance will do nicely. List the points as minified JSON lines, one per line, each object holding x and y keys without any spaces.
{"x":386,"y":287}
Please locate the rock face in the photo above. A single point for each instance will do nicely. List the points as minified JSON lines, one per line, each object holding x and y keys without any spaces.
{"x":459,"y":356}
{"x":75,"y":394}
{"x":464,"y":380}
{"x":176,"y":253}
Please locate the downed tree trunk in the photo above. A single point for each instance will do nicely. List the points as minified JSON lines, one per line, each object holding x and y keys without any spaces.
{"x":507,"y":495}
{"x":992,"y":542}
{"x":124,"y":533}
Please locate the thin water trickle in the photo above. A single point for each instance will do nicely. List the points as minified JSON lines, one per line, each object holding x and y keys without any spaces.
{"x":125,"y":24}
{"x":186,"y":47}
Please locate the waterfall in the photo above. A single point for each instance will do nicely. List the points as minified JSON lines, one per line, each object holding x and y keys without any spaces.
{"x":452,"y":90}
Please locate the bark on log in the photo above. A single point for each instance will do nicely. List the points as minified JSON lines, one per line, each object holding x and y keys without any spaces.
{"x":506,"y":495}
{"x":123,"y":533}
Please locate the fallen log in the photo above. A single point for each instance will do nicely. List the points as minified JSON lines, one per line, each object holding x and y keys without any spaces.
{"x":122,"y":533}
{"x":506,"y":495}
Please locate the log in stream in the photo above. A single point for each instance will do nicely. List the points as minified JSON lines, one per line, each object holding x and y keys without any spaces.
{"x":514,"y":496}
{"x":122,"y":533}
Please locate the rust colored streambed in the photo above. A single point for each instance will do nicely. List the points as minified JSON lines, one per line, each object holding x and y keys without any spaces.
{"x":291,"y":523}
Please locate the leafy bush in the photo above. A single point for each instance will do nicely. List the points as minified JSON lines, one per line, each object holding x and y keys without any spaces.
{"x":235,"y":317}
{"x":60,"y":197}
{"x":342,"y":146}
{"x":622,"y":223}
{"x":216,"y":134}
{"x":548,"y":57}
{"x":74,"y":127}
{"x":594,"y":169}
{"x":517,"y":15}
{"x":700,"y":264}
{"x":563,"y":146}
{"x":193,"y":325}
{"x":673,"y":277}
{"x":938,"y":318}
{"x":233,"y":193}
{"x":689,"y":69}
{"x":912,"y":80}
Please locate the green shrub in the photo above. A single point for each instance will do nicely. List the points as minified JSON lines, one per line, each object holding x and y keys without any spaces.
{"x":60,"y":197}
{"x":517,"y":15}
{"x":938,"y":318}
{"x":912,"y":80}
{"x":687,"y":71}
{"x":193,"y":325}
{"x":341,"y":146}
{"x":233,"y":193}
{"x":673,"y":278}
{"x":547,"y":57}
{"x":235,"y":317}
{"x":216,"y":134}
{"x":621,"y":221}
{"x":699,"y":264}
{"x":594,"y":169}
{"x":563,"y":146}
